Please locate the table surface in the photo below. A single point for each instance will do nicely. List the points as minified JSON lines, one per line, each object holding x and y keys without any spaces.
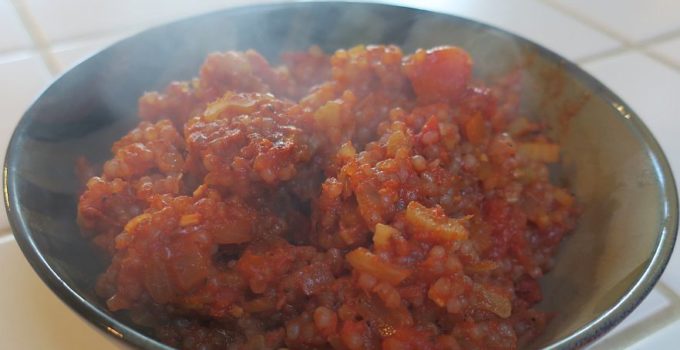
{"x":632,"y":46}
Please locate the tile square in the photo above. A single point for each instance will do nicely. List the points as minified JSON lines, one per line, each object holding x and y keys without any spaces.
{"x":633,"y":20}
{"x":529,"y":18}
{"x":33,"y":316}
{"x":14,"y":35}
{"x":666,"y":338}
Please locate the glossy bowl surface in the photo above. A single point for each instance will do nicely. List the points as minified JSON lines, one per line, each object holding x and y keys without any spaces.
{"x":610,"y":160}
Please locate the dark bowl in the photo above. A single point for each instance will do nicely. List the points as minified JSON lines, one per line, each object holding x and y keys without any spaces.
{"x":610,"y":160}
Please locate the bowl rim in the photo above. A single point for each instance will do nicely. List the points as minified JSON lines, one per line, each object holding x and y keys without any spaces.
{"x":587,"y":333}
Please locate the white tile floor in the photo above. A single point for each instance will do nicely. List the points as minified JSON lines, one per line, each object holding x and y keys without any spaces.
{"x":630,"y":20}
{"x":669,"y":50}
{"x":15,"y":36}
{"x":37,"y":308}
{"x":633,"y":46}
{"x":533,"y":20}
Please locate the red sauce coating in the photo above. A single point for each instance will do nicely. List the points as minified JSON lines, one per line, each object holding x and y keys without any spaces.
{"x":361,"y":200}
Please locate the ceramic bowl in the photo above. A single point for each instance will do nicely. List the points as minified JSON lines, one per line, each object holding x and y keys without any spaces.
{"x":610,"y":160}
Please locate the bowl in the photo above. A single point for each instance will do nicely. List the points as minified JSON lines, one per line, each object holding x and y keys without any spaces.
{"x":611,"y":162}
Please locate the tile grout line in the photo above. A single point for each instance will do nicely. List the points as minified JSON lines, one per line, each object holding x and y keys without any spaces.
{"x":587,"y":21}
{"x":659,"y":38}
{"x":603,"y":54}
{"x":9,"y":237}
{"x":626,"y":45}
{"x":661,"y":58}
{"x":643,"y":46}
{"x":37,"y":36}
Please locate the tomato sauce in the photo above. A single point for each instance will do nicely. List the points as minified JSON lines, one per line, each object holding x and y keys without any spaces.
{"x":361,"y":200}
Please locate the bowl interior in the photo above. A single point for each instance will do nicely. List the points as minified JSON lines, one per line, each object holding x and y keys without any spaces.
{"x":609,"y":160}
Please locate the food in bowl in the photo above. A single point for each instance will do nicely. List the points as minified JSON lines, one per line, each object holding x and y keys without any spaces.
{"x":366,"y":199}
